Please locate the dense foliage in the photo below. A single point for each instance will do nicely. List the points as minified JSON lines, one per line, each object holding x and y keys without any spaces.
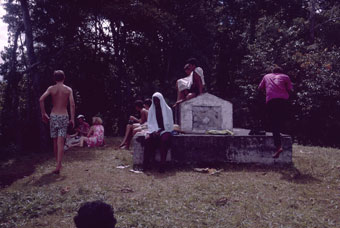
{"x":114,"y":52}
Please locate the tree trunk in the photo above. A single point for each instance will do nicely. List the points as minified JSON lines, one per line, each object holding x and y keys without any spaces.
{"x":312,"y":20}
{"x":36,"y":135}
{"x":9,"y":115}
{"x":119,"y":42}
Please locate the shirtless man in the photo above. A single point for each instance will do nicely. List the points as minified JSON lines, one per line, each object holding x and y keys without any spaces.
{"x":59,"y":119}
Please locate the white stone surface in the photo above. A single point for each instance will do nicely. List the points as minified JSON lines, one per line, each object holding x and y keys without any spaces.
{"x":138,"y":150}
{"x":206,"y":112}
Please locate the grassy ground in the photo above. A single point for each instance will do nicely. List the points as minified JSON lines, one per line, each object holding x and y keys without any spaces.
{"x":305,"y":195}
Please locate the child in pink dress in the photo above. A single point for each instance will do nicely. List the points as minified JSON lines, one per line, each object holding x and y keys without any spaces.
{"x":95,"y":137}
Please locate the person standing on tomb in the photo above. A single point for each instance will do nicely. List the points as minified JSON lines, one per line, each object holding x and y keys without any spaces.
{"x":192,"y":85}
{"x":277,"y":86}
{"x":59,"y":118}
{"x":160,"y":125}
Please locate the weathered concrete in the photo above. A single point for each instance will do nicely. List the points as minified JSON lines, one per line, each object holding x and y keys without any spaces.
{"x":239,"y":148}
{"x":206,"y":112}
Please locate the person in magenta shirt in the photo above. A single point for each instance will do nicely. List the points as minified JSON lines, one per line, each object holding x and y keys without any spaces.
{"x":277,"y":86}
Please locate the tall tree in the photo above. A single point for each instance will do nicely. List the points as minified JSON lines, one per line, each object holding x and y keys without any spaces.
{"x":38,"y":141}
{"x":10,"y":117}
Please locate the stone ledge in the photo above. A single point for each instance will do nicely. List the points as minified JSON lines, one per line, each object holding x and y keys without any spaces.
{"x":239,"y":148}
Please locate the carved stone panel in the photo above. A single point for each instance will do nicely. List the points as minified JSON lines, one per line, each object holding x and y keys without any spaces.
{"x":206,"y":112}
{"x":206,"y":117}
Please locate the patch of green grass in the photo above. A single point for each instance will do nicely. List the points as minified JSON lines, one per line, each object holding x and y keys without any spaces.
{"x":304,"y":195}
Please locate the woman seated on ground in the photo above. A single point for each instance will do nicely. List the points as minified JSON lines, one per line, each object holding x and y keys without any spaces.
{"x":192,"y":85}
{"x":135,"y":125}
{"x":160,"y":126}
{"x":95,"y":137}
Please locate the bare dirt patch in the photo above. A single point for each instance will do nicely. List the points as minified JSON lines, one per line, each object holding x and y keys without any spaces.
{"x":304,"y":195}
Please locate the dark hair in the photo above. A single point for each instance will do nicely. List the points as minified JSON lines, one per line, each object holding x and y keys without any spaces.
{"x":277,"y":69}
{"x":95,"y":214}
{"x":192,"y":61}
{"x":139,"y":103}
{"x":148,"y":102}
{"x":59,"y":75}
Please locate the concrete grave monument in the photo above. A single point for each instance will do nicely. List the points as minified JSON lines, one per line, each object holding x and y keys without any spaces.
{"x":206,"y":112}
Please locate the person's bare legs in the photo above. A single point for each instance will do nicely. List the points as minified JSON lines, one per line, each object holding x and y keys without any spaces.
{"x":135,"y":130}
{"x":163,"y":149}
{"x":181,"y":97}
{"x":60,"y":153}
{"x":82,"y":140}
{"x":128,"y":131}
{"x":278,"y":152}
{"x":55,"y":148}
{"x":276,"y":109}
{"x":74,"y":144}
{"x":130,"y":136}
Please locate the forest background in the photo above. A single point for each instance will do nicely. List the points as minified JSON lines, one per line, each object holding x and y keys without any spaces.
{"x":116,"y":51}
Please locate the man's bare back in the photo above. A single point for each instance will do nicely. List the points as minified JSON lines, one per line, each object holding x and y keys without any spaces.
{"x":60,"y":94}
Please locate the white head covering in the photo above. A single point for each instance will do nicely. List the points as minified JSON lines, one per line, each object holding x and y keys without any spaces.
{"x":199,"y":71}
{"x":166,"y":113}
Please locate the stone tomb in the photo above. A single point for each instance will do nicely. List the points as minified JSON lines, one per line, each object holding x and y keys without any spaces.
{"x":205,"y":112}
{"x":239,"y":148}
{"x":208,"y":112}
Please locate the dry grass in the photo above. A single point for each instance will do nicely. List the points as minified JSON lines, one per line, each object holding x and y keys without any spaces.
{"x":306,"y":195}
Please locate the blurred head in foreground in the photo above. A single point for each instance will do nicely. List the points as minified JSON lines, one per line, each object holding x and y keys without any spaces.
{"x":94,"y":215}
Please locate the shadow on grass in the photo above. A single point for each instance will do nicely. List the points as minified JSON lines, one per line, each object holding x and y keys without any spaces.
{"x":297,"y":177}
{"x":79,"y":154}
{"x":49,"y":178}
{"x":168,"y":172}
{"x":289,"y":172}
{"x":19,"y":167}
